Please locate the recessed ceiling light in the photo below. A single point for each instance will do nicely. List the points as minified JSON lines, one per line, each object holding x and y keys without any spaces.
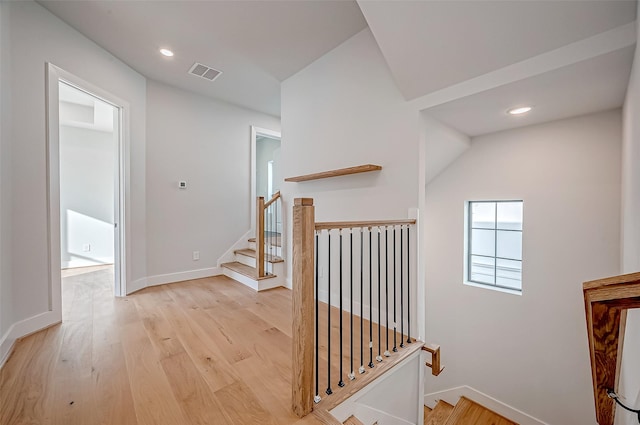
{"x":166,"y":52}
{"x":518,"y":111}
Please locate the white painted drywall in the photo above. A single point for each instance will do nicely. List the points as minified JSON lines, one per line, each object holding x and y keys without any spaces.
{"x":630,"y":232}
{"x":443,"y":145}
{"x":207,"y":144}
{"x":267,"y":149}
{"x":35,"y":37}
{"x":343,"y":110}
{"x":529,"y":351}
{"x":6,"y":299}
{"x":87,"y":172}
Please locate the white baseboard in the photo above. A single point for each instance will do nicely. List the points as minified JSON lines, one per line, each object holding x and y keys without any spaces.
{"x":24,"y":328}
{"x":72,"y":264}
{"x":136,"y":285}
{"x":162,"y":279}
{"x":452,"y":396}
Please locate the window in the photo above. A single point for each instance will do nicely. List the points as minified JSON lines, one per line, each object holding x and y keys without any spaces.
{"x":494,"y":244}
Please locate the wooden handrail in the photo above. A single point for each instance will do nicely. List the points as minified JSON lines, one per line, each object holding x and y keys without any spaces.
{"x":435,"y":359}
{"x":329,"y":225}
{"x":606,"y":304}
{"x":275,"y":197}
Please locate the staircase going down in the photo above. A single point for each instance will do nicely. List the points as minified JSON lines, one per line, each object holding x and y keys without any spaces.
{"x":465,"y":412}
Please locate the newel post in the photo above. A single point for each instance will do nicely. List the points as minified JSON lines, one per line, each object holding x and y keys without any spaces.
{"x":260,"y":236}
{"x":303,"y":305}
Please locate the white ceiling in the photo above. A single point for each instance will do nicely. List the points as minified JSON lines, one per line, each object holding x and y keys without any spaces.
{"x":464,"y":62}
{"x":430,"y":45}
{"x":589,"y":86}
{"x":256,"y":44}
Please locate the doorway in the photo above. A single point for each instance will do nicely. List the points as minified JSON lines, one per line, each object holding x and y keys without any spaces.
{"x":86,"y":185}
{"x":265,"y":168}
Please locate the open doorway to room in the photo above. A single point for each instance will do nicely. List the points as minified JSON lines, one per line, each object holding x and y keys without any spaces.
{"x":266,"y":176}
{"x":89,"y":133}
{"x":85,"y":190}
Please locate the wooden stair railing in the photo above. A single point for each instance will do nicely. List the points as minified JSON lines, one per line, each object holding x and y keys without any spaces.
{"x":606,"y":305}
{"x":387,"y":335}
{"x":261,"y":227}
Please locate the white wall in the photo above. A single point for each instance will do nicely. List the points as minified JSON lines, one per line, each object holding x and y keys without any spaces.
{"x":206,"y":143}
{"x":443,"y":145}
{"x":344,"y":110}
{"x":630,"y":231}
{"x":528,"y":351}
{"x":6,"y":299}
{"x":36,"y":36}
{"x":267,"y":150}
{"x":87,"y":170}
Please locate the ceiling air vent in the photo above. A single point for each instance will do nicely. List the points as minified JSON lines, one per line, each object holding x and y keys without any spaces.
{"x":203,"y":71}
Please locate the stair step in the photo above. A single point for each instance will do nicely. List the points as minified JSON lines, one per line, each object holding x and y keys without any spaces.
{"x":352,"y":420}
{"x":245,"y":270}
{"x":275,"y":241}
{"x":252,"y":253}
{"x":439,"y":414}
{"x":468,"y":412}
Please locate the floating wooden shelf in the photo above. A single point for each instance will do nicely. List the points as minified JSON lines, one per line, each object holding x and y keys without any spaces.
{"x":335,"y":173}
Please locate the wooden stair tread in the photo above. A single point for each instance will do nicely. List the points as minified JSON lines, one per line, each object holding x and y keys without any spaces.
{"x":427,"y":412}
{"x":245,"y":270}
{"x":276,"y":242}
{"x":468,"y":412}
{"x":252,"y":253}
{"x":439,"y":414}
{"x":352,"y":420}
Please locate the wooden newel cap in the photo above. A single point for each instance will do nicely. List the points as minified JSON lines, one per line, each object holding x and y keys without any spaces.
{"x":306,"y":202}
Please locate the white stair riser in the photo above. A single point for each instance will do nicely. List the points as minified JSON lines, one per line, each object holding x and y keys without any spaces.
{"x":259,"y":285}
{"x":276,"y":250}
{"x":245,"y":259}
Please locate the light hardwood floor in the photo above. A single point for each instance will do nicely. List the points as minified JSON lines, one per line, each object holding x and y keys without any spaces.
{"x":208,"y":351}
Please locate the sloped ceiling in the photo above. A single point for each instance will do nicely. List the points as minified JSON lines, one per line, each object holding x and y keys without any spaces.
{"x":256,"y":44}
{"x":430,"y":45}
{"x":463,"y":61}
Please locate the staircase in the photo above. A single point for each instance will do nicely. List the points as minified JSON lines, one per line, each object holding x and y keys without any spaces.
{"x":244,"y":270}
{"x":465,"y":412}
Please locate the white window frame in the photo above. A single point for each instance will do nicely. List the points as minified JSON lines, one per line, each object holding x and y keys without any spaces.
{"x":467,"y":248}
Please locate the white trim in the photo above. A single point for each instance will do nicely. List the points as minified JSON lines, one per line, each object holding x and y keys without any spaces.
{"x":55,"y":74}
{"x":23,"y":328}
{"x":255,"y":131}
{"x":136,"y":285}
{"x":452,"y":396}
{"x":162,"y":279}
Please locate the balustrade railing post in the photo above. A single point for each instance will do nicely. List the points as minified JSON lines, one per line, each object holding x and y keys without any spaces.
{"x":260,"y":236}
{"x":303,"y":305}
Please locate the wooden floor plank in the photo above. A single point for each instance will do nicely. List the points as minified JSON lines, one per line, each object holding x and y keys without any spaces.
{"x":195,"y":352}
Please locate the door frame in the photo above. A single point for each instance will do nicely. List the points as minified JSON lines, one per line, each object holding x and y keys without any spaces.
{"x":255,"y":132}
{"x":55,"y":74}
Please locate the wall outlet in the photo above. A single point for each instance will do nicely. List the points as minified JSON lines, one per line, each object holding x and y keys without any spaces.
{"x":86,"y":247}
{"x":196,"y":255}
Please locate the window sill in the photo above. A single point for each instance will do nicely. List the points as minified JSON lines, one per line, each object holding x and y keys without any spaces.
{"x":493,"y":288}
